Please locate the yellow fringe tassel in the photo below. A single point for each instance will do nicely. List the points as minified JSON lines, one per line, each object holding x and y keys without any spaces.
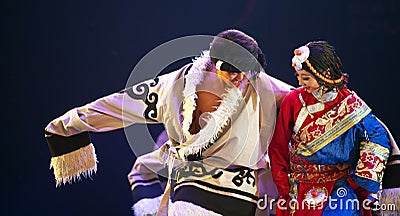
{"x":69,"y":167}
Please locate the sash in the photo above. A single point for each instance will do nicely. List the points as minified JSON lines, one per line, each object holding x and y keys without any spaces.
{"x":321,"y":131}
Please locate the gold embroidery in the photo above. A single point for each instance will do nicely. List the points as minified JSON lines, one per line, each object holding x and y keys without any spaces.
{"x":331,"y":125}
{"x":379,"y":150}
{"x":372,"y":161}
{"x":304,"y":113}
{"x":317,"y":173}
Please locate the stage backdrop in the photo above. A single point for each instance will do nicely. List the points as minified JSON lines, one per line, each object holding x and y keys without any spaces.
{"x":57,"y":55}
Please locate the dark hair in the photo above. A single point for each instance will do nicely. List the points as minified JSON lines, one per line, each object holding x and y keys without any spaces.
{"x":225,"y":47}
{"x":325,"y":61}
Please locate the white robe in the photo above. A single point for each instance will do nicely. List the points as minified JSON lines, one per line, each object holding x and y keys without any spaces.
{"x":236,"y":136}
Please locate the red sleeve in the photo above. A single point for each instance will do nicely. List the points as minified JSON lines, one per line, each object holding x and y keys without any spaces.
{"x":278,"y":150}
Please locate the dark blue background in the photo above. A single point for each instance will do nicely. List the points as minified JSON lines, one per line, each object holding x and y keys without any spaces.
{"x":60,"y":54}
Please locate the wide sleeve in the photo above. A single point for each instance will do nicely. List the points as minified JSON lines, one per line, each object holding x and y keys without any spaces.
{"x":141,"y":103}
{"x":278,"y":150}
{"x":68,"y":138}
{"x":374,"y":150}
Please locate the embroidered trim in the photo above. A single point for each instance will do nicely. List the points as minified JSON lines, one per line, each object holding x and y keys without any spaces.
{"x":372,"y":161}
{"x":305,"y":111}
{"x":330,"y":126}
{"x":303,"y":171}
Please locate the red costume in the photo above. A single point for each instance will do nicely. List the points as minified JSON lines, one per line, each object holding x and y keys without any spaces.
{"x":320,"y":147}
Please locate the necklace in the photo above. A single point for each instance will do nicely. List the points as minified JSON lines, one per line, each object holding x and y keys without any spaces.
{"x":327,"y":97}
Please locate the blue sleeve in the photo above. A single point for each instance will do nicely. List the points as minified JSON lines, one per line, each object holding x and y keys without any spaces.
{"x":373,"y":145}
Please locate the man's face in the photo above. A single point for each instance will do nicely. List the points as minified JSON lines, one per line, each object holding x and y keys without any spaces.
{"x":237,"y":79}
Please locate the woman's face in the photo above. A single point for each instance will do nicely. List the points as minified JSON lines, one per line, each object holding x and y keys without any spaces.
{"x":307,"y":80}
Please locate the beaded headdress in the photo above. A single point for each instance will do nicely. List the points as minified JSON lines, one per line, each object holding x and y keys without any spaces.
{"x":301,"y":55}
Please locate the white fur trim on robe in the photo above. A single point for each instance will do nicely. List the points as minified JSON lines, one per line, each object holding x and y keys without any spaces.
{"x":180,"y":208}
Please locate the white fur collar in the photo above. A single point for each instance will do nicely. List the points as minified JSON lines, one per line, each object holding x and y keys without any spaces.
{"x":218,"y":119}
